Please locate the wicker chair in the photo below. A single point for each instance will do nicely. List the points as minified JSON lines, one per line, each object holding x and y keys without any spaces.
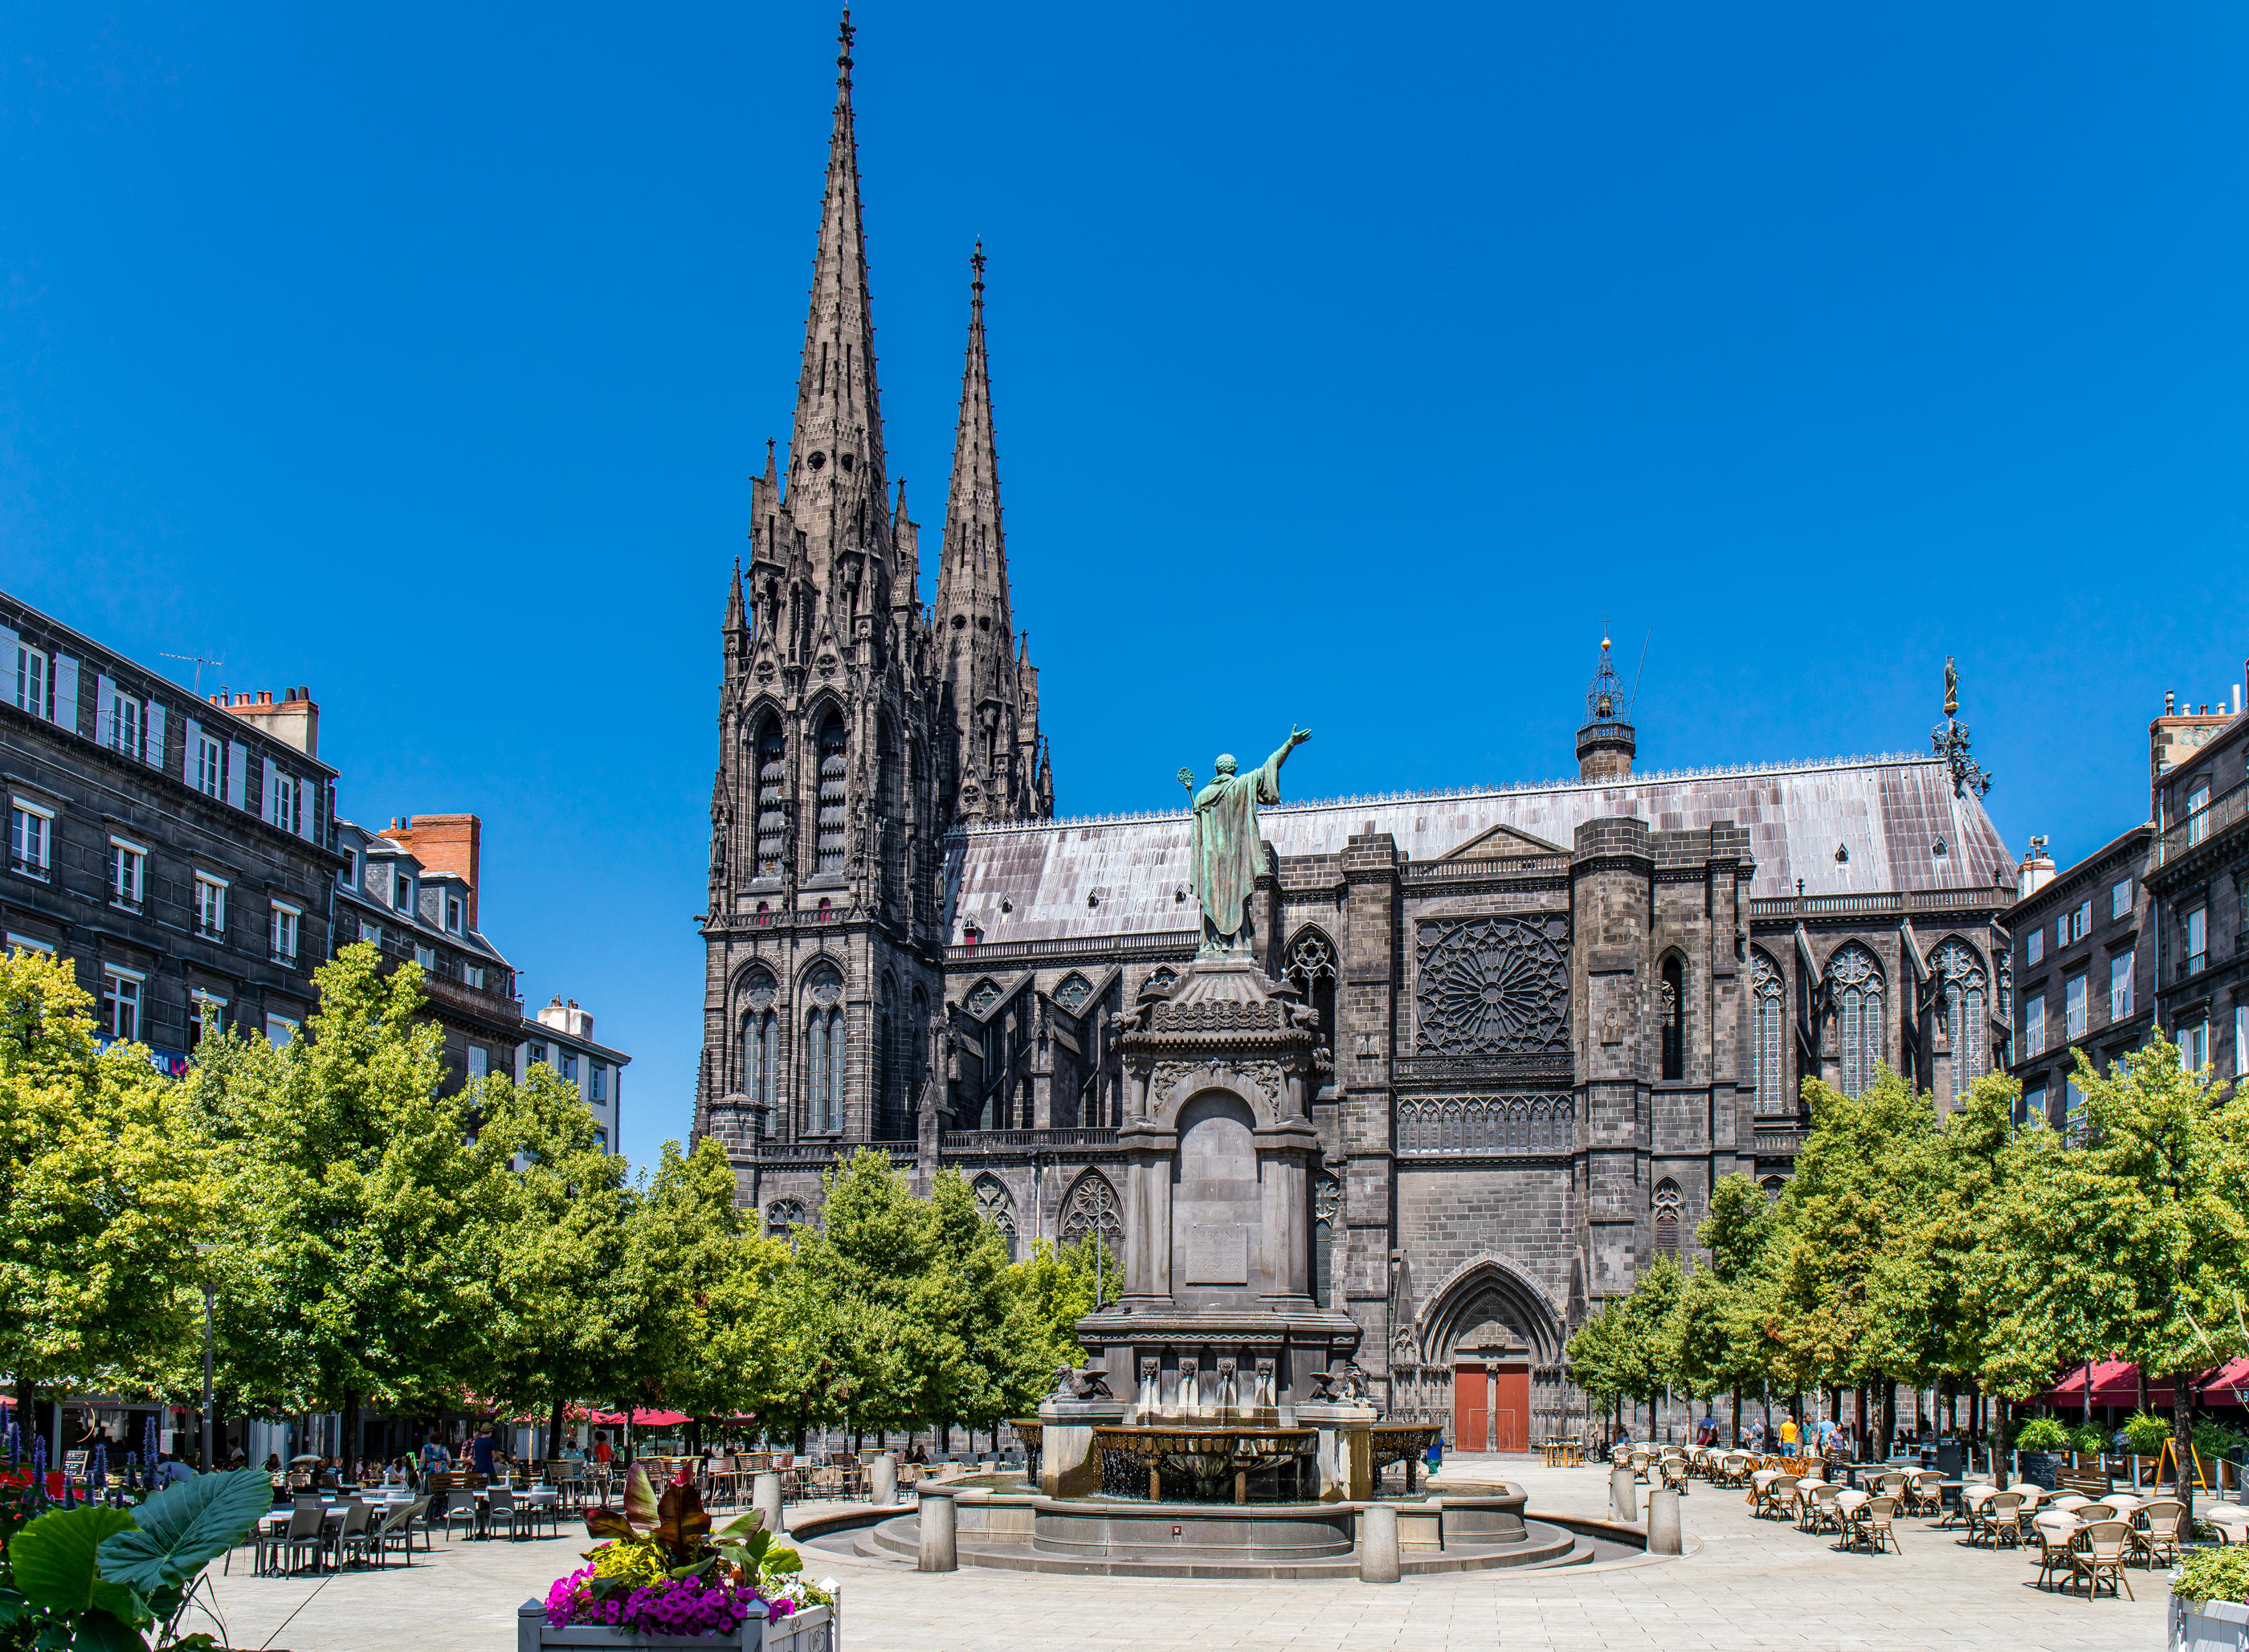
{"x":2102,"y":1548}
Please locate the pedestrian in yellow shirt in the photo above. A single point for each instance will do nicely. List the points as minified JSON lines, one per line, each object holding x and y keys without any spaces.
{"x":1788,"y":1435}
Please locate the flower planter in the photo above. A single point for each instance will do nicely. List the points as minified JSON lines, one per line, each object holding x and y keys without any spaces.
{"x":2208,"y":1626}
{"x":809,"y":1630}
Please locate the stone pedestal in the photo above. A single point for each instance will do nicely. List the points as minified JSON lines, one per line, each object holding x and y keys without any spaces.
{"x":1624,"y":1494}
{"x":764,"y":1498}
{"x":883,"y":1480}
{"x":939,"y":1551}
{"x":1377,"y":1544}
{"x":1067,"y":1465}
{"x":1346,"y":1448}
{"x":1664,"y":1536}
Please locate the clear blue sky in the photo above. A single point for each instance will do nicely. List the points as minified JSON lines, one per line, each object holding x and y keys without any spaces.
{"x":1363,"y":357}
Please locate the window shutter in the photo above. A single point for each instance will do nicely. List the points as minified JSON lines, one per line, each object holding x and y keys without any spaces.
{"x":305,"y":809}
{"x":191,"y":740}
{"x":66,"y":692}
{"x":238,"y":772}
{"x":153,"y":729}
{"x":8,"y":644}
{"x":105,"y":709}
{"x":268,"y":793}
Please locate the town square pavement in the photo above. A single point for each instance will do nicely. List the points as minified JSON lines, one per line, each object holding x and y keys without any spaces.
{"x":1746,"y":1584}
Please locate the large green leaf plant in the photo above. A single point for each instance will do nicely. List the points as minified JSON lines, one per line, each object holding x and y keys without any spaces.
{"x":111,"y":1578}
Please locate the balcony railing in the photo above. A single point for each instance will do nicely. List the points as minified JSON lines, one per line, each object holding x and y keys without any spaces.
{"x":2223,"y":812}
{"x":1991,"y":896}
{"x":1180,"y":944}
{"x":1015,"y":1141}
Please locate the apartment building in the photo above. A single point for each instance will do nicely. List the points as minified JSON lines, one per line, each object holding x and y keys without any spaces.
{"x":562,"y":1038}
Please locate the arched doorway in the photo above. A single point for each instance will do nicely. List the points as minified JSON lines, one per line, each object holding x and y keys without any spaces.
{"x":1502,"y":1340}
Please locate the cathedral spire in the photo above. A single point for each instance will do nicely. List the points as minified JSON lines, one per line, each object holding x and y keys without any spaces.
{"x":835,"y":493}
{"x":974,"y":579}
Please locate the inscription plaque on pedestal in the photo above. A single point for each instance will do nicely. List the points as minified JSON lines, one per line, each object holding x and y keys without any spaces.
{"x":1218,"y":1256}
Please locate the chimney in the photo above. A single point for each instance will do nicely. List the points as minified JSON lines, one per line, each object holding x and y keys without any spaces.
{"x":444,"y":843}
{"x":295,"y":722}
{"x":566,"y":1018}
{"x":2037,"y":870}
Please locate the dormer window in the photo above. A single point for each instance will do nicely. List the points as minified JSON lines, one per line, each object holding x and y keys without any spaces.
{"x":401,"y":892}
{"x":454,"y":910}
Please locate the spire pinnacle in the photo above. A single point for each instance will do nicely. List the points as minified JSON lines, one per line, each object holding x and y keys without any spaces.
{"x":844,"y":35}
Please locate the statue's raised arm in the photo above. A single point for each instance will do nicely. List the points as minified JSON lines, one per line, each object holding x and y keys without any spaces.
{"x":1226,"y":849}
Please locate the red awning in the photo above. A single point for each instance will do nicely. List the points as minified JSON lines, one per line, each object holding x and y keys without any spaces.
{"x":2116,"y":1382}
{"x":2229,"y":1385}
{"x":641,"y":1419}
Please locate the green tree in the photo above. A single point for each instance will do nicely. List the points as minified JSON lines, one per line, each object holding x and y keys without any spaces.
{"x":557,"y":1229}
{"x":1722,"y":1335}
{"x":358,"y":1211}
{"x":2132,"y":1241}
{"x":104,"y":1191}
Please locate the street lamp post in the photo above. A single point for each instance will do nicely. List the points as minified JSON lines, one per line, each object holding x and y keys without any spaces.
{"x":210,"y":1293}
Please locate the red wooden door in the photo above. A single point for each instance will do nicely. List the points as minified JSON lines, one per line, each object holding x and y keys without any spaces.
{"x":1469,"y":1408}
{"x":1511,"y":1411}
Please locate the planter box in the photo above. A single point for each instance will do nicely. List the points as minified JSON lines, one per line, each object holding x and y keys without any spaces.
{"x":812,"y":1629}
{"x":2208,"y":1626}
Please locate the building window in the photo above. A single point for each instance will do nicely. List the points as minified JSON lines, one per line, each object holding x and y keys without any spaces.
{"x":2198,"y":939}
{"x":2034,"y":1105}
{"x":783,"y":1217}
{"x":598,"y":1080}
{"x":765,"y":914}
{"x":1960,"y":973}
{"x":1767,"y":1002}
{"x":761,"y":1043}
{"x":826,"y":1050}
{"x":2119,"y":987}
{"x":566,"y":1060}
{"x":371,"y":933}
{"x":1667,"y":1203}
{"x":1312,"y":970}
{"x":210,"y":766}
{"x":1671,"y":1007}
{"x":16,"y":943}
{"x":831,"y":795}
{"x":479,"y":1061}
{"x":2240,"y":1040}
{"x":206,"y":1016}
{"x":2034,"y":1025}
{"x":602,"y":1140}
{"x":474,"y":974}
{"x":2120,"y":900}
{"x":30,"y":838}
{"x":2194,"y":1045}
{"x":453,"y":914}
{"x":2198,"y":812}
{"x":773,"y":799}
{"x":123,"y":733}
{"x":427,"y":957}
{"x":2075,"y":924}
{"x":128,"y":864}
{"x":2073,"y":1108}
{"x":211,"y":906}
{"x":347,"y":875}
{"x":827,"y":913}
{"x":280,"y":799}
{"x":120,"y":1004}
{"x":2072,"y":1007}
{"x":279,"y":1029}
{"x":1854,"y":986}
{"x":1327,"y":1213}
{"x":31,"y":681}
{"x":285,"y":922}
{"x":2034,"y":948}
{"x":538,"y":1053}
{"x":997,"y":1206}
{"x":401,"y":892}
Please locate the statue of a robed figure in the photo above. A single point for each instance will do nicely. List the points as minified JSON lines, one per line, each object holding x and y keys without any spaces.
{"x":1226,"y":852}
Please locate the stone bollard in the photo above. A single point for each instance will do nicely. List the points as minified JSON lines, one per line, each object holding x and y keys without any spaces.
{"x":883,"y":1480}
{"x":939,"y":1551}
{"x":1377,"y":1544}
{"x":764,"y":1498}
{"x":1624,"y":1496}
{"x":1663,"y":1534}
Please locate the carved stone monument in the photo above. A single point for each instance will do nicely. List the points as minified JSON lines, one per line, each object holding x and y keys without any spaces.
{"x":1217,"y":1324}
{"x":1081,"y":1402}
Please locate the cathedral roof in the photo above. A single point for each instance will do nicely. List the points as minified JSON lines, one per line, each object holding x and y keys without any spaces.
{"x":1128,"y":875}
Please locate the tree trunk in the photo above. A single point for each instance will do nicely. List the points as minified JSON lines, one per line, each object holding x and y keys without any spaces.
{"x":348,"y":1426}
{"x":1737,"y":1416}
{"x":2183,"y":1439}
{"x":554,"y":1431}
{"x":694,"y":1436}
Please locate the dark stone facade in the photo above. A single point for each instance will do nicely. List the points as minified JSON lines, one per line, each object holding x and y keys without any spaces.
{"x":1549,"y":1017}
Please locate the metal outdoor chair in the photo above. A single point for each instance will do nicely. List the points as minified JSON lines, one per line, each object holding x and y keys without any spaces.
{"x":357,"y":1516}
{"x":458,"y":1505}
{"x":501,"y":1505}
{"x":307,"y":1533}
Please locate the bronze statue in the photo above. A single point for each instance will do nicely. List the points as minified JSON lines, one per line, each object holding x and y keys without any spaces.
{"x":1227,"y":852}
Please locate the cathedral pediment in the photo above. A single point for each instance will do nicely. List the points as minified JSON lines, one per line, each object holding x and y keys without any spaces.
{"x":1501,"y":842}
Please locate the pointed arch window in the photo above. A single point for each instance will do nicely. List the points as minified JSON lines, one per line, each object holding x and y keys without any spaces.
{"x":831,"y":794}
{"x":1960,"y":977}
{"x":783,"y":1217}
{"x":826,"y":1051}
{"x":761,"y":1043}
{"x":886,"y":1062}
{"x":1312,"y":970}
{"x":1091,"y":1211}
{"x":1768,"y":1010}
{"x":1671,"y":1007}
{"x":1854,"y":988}
{"x":1668,"y":1202}
{"x":997,"y":1206}
{"x":773,"y":799}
